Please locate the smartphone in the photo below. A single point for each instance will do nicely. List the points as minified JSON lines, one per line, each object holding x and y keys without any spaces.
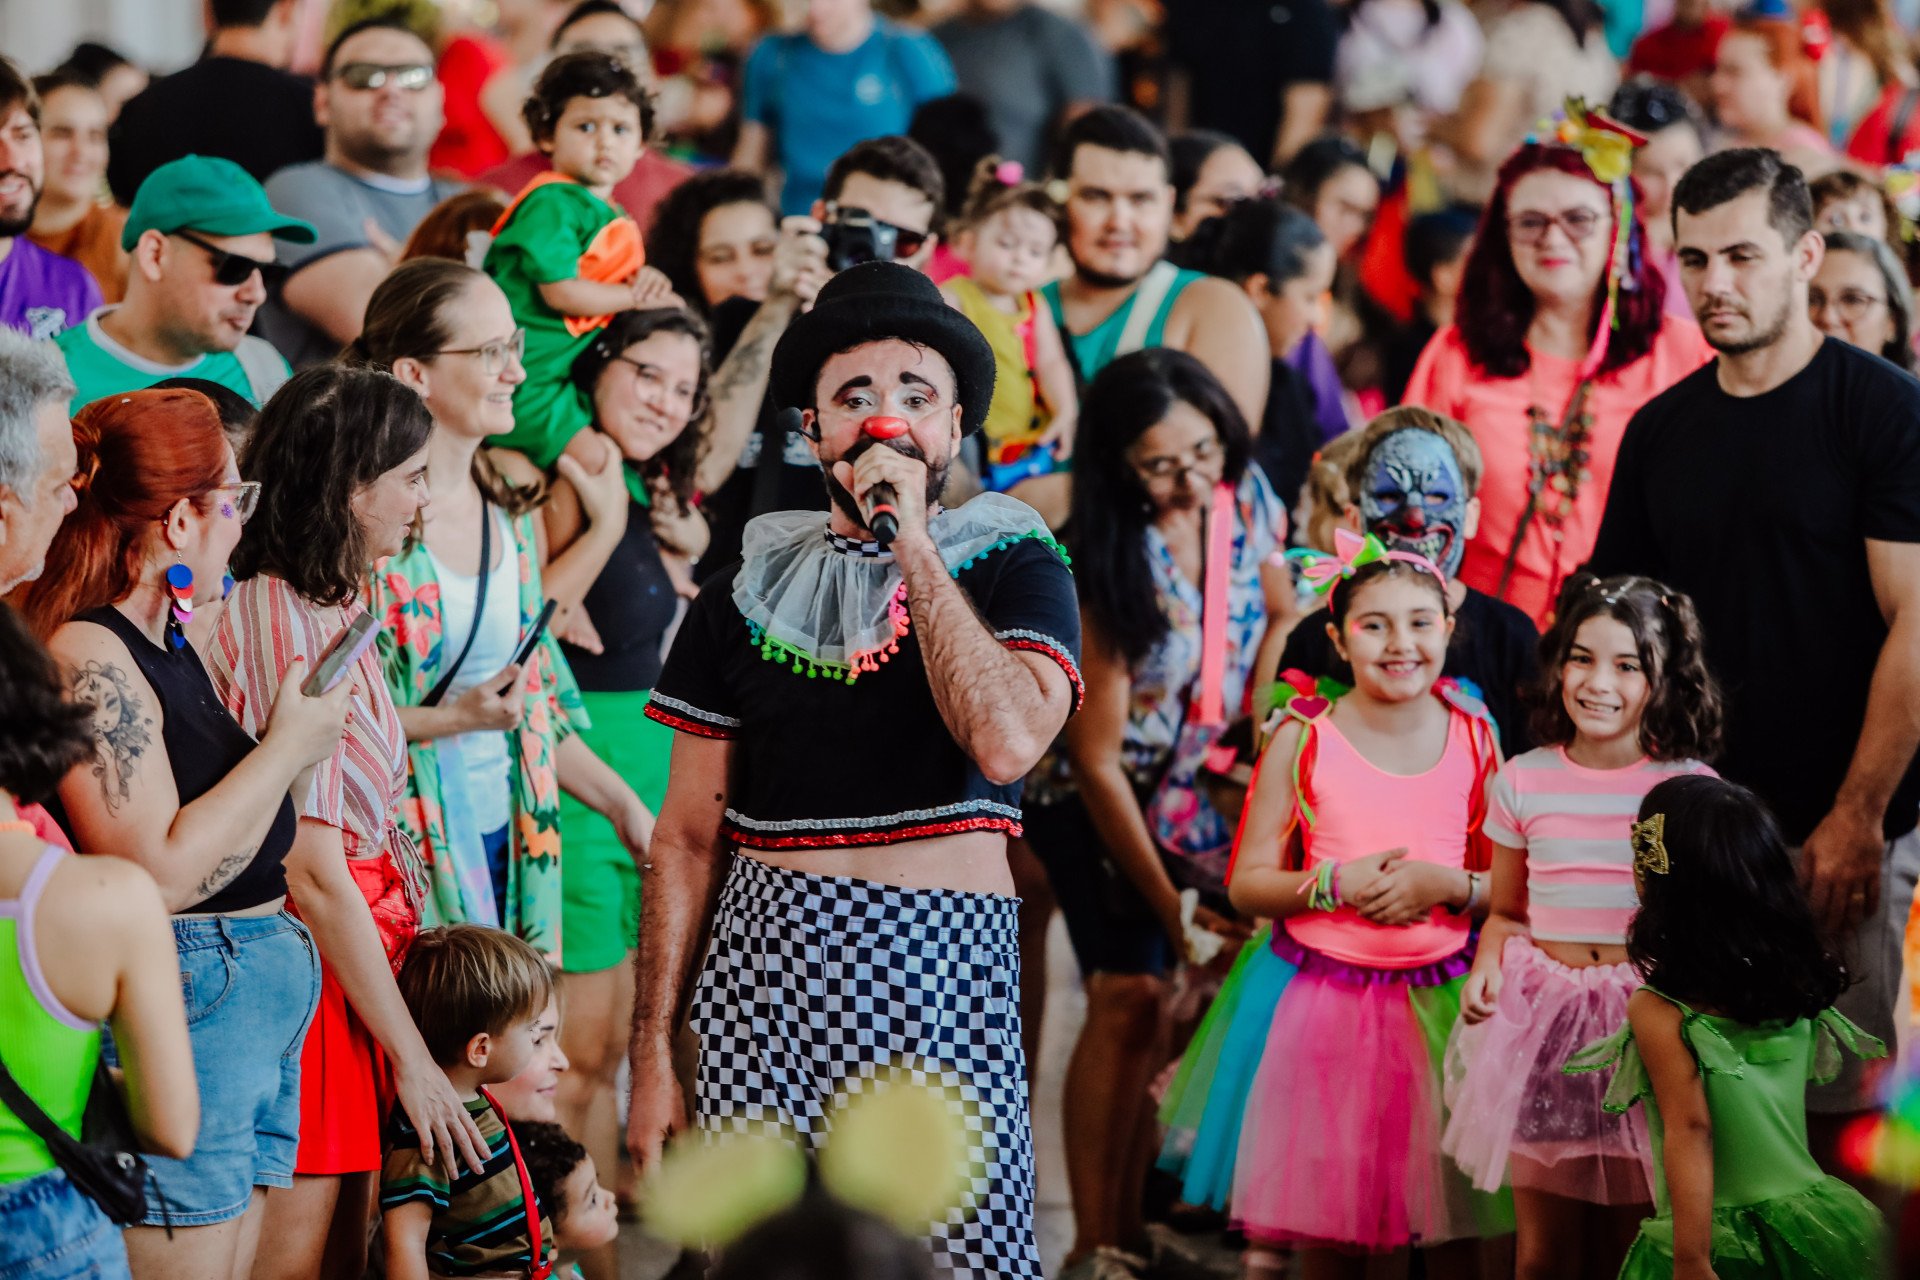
{"x":340,"y":654}
{"x":532,"y":638}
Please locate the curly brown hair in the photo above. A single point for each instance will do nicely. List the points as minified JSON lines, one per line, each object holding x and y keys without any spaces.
{"x":1683,"y":718}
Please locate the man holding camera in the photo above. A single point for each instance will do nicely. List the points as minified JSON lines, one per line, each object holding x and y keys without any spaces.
{"x":858,"y":700}
{"x":878,"y":204}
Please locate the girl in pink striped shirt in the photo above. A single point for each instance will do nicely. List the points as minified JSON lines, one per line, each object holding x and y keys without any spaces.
{"x":1626,"y":700}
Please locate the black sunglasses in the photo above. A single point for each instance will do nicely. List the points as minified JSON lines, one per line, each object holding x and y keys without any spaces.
{"x":234,"y":269}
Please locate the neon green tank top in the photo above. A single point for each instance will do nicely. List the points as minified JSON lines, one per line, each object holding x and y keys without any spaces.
{"x":47,"y":1049}
{"x":1099,"y":346}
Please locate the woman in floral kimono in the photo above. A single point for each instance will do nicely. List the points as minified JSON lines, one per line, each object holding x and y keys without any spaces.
{"x":490,"y":743}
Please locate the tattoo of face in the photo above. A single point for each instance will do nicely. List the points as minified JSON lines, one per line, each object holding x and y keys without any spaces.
{"x":121,"y":734}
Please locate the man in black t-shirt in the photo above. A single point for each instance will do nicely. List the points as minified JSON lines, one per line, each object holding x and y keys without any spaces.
{"x":1414,"y":481}
{"x":238,"y":102}
{"x":856,"y":718}
{"x":1779,"y":487}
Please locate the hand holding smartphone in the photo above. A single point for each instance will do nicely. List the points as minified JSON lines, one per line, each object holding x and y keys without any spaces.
{"x":340,"y":654}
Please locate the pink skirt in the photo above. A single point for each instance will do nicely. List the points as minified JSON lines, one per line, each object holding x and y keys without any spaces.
{"x":1341,"y":1143}
{"x":1516,"y":1115}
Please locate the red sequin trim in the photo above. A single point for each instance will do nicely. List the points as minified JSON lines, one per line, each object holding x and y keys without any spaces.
{"x":1059,"y":656}
{"x":694,"y":727}
{"x":748,"y":840}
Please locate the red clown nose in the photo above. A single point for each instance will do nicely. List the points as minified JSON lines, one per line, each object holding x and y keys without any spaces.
{"x":885,"y":428}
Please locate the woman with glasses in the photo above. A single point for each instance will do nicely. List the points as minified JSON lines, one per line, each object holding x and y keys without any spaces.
{"x":1545,"y":372}
{"x":174,"y":785}
{"x":490,"y":735}
{"x":1861,"y":296}
{"x":1129,"y":825}
{"x":645,"y":375}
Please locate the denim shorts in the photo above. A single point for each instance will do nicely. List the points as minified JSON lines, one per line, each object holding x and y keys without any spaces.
{"x":55,"y":1233}
{"x":251,"y":985}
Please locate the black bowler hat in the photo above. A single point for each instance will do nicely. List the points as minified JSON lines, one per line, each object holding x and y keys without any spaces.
{"x":871,"y":303}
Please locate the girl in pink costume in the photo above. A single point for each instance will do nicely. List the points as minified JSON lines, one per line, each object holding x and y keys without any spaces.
{"x":1339,"y":1153}
{"x":1625,"y":702}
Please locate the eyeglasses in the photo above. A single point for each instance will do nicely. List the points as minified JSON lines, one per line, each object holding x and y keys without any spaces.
{"x":234,"y":269}
{"x":1852,"y":304}
{"x":1205,"y":459}
{"x":495,"y":356}
{"x":1531,"y":228}
{"x":246,"y":498}
{"x":412,"y":76}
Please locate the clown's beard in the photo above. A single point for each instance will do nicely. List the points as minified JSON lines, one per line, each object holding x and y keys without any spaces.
{"x":842,"y":497}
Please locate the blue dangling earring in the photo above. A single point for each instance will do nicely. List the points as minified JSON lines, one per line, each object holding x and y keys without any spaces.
{"x":180,"y":613}
{"x":226,"y":585}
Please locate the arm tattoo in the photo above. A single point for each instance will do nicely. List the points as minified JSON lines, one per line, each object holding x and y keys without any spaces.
{"x":224,"y":874}
{"x":121,"y":734}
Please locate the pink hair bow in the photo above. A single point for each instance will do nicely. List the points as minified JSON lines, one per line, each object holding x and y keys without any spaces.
{"x":1008,"y":173}
{"x":1350,"y":551}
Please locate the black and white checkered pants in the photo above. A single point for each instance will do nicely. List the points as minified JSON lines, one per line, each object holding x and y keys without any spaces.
{"x":813,"y":988}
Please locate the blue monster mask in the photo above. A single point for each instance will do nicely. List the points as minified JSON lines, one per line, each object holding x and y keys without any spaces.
{"x":1415,"y":498}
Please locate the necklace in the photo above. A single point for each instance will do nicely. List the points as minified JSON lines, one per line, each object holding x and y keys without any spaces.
{"x":1559,"y":461}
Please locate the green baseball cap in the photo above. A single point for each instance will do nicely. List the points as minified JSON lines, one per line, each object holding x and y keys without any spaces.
{"x":210,"y":195}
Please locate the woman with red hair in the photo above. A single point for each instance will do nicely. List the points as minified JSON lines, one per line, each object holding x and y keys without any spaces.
{"x":1765,"y":90}
{"x":174,"y":785}
{"x":1558,"y":338}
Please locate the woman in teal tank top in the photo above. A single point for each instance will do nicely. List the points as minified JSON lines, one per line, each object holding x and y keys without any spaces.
{"x":1735,"y":1019}
{"x":80,"y":944}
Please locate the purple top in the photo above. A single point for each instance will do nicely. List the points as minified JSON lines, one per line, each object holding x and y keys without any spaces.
{"x":1314,"y":362}
{"x":42,"y":293}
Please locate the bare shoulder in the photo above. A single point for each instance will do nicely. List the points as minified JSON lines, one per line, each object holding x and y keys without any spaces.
{"x":1210,"y":298}
{"x":92,"y":893}
{"x":99,"y":671}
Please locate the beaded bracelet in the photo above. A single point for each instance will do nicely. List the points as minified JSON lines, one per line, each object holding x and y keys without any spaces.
{"x":1323,"y":891}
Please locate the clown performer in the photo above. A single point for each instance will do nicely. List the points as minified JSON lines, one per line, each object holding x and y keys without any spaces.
{"x":856,"y":716}
{"x":1559,"y":337}
{"x":1415,"y":482}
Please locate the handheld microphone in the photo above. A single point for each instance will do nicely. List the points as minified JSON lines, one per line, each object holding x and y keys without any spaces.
{"x":882,"y":517}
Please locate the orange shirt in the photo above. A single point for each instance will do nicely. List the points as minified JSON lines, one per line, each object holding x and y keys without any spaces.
{"x":1554,"y":545}
{"x":94,"y":243}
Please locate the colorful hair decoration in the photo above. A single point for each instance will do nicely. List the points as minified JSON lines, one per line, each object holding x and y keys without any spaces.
{"x":1323,"y":572}
{"x":1650,"y":846}
{"x":1009,"y":173}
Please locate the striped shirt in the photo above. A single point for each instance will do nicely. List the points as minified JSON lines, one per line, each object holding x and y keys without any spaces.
{"x":479,"y":1219}
{"x":1573,"y":823}
{"x":264,"y":627}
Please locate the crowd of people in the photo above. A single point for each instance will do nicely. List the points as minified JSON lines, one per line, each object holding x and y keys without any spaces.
{"x":610,"y":574}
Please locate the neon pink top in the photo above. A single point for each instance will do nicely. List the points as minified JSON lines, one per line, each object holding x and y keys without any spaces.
{"x":1495,"y":411}
{"x":1352,"y":808}
{"x":1573,"y":822}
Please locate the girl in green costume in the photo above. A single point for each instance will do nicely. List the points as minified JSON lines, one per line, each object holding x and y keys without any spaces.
{"x":1735,"y":1019}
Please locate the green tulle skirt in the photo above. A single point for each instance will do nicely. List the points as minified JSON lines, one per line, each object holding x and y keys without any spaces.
{"x":1827,"y":1232}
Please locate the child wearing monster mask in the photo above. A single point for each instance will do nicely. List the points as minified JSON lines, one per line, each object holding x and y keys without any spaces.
{"x":1414,"y":478}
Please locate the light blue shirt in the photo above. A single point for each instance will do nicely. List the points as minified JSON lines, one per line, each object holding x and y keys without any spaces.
{"x":817,"y":104}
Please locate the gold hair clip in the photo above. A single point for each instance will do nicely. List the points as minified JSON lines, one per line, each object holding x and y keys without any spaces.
{"x":1650,"y":846}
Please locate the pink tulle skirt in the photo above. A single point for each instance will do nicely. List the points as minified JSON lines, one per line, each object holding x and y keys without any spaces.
{"x":1516,"y":1115}
{"x":1341,"y":1143}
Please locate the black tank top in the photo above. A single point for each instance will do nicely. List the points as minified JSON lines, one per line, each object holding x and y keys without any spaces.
{"x":632,"y":604}
{"x":204,"y":743}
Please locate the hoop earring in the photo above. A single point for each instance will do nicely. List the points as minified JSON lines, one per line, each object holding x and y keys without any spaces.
{"x":180,"y":606}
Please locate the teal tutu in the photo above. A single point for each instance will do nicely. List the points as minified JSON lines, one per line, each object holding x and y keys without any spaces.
{"x":1204,"y":1108}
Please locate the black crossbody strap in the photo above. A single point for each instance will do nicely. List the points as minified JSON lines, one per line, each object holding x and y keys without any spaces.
{"x":31,"y":1114}
{"x":439,"y":691}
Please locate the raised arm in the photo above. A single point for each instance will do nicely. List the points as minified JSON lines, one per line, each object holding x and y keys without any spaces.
{"x":689,"y":858}
{"x":123,"y":800}
{"x":1844,"y":853}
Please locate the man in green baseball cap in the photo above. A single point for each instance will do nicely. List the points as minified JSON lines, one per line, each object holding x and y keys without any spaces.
{"x":201,"y":233}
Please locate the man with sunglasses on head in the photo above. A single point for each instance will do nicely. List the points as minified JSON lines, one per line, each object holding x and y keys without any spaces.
{"x":201,"y":234}
{"x":380,"y":105}
{"x":878,"y":204}
{"x":238,"y":101}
